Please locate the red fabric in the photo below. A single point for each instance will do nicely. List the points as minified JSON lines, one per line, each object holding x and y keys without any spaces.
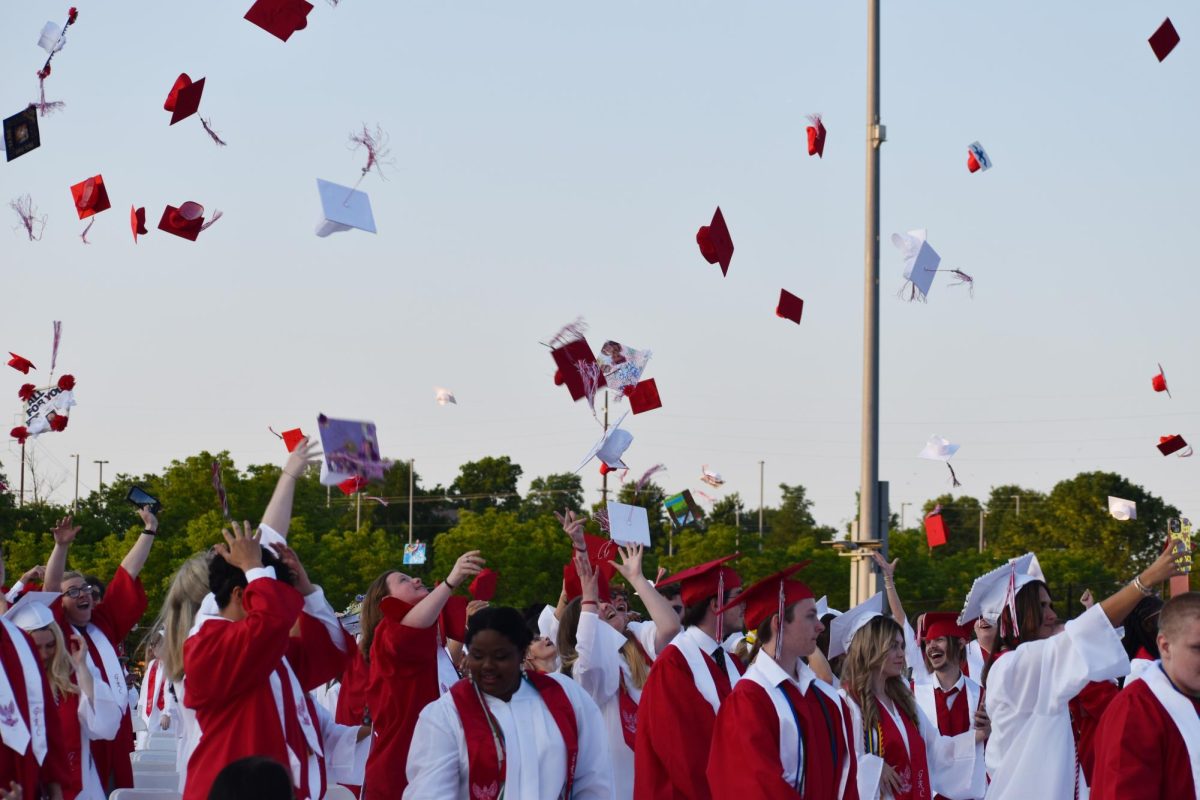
{"x":1086,"y":709}
{"x":229,"y":665}
{"x":627,"y":705}
{"x":311,"y":705}
{"x":403,"y":680}
{"x":352,"y":699}
{"x":124,"y":604}
{"x":151,"y":680}
{"x":293,"y":733}
{"x":966,"y":667}
{"x":674,"y":730}
{"x":66,"y":709}
{"x":957,"y":718}
{"x":24,"y":769}
{"x":1139,"y":752}
{"x":909,"y":762}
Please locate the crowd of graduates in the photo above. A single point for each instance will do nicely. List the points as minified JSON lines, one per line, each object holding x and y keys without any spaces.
{"x":719,"y":690}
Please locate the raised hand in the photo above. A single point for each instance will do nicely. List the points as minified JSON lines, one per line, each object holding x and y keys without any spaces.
{"x":888,"y":570}
{"x":148,"y":518}
{"x":631,"y":562}
{"x":292,"y":561}
{"x":469,"y":564}
{"x":306,"y":454}
{"x":1086,"y":600}
{"x":78,"y":652}
{"x":476,"y":605}
{"x":588,"y":580}
{"x":241,"y":548}
{"x":572,"y":525}
{"x":37,"y":573}
{"x":64,"y":532}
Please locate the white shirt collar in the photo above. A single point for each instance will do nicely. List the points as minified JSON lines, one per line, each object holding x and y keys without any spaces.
{"x":774,"y":673}
{"x":702,"y":639}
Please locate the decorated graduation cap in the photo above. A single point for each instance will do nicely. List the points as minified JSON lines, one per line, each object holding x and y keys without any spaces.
{"x":32,"y":612}
{"x":716,"y":245}
{"x":90,"y":196}
{"x":444,"y":396}
{"x":184,"y":100}
{"x":996,"y":590}
{"x":682,"y":509}
{"x":939,"y":448}
{"x":920,"y":262}
{"x":21,"y":133}
{"x":1122,"y":509}
{"x":1159,"y":381}
{"x":600,"y":552}
{"x":698,"y":583}
{"x":351,"y":449}
{"x":944,"y":623}
{"x":609,"y":449}
{"x":577,"y":368}
{"x":186,"y":221}
{"x":343,"y":208}
{"x":621,"y":366}
{"x":977,"y":158}
{"x":52,"y":40}
{"x":936,"y":533}
{"x":772,"y":595}
{"x":816,"y":136}
{"x":823,"y":608}
{"x":137,"y":222}
{"x":1163,"y":41}
{"x":280,"y":18}
{"x":842,"y":629}
{"x":711,"y":477}
{"x":484,"y":585}
{"x":644,"y":396}
{"x":1174,"y":444}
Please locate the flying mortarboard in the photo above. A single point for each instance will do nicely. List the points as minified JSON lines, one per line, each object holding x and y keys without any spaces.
{"x":90,"y":197}
{"x":1159,"y":381}
{"x":443,"y":396}
{"x":644,"y":396}
{"x":938,"y":449}
{"x":280,"y":18}
{"x":628,"y":524}
{"x":600,"y":553}
{"x":920,"y":261}
{"x":343,"y":208}
{"x":20,"y":363}
{"x":186,"y":222}
{"x":611,"y":447}
{"x":21,"y":133}
{"x":567,"y":357}
{"x":184,"y":97}
{"x":716,"y":245}
{"x":771,"y":595}
{"x":816,"y":136}
{"x":703,"y":581}
{"x":789,"y":306}
{"x":292,"y":438}
{"x":1122,"y":509}
{"x":682,"y":509}
{"x":484,"y":585}
{"x":935,"y":528}
{"x":137,"y":222}
{"x":842,"y":629}
{"x":51,"y":39}
{"x":944,"y":623}
{"x":1174,"y":444}
{"x":977,"y":158}
{"x":1164,"y":39}
{"x":352,"y":485}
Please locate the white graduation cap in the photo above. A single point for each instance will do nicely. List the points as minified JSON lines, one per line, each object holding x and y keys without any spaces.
{"x":1122,"y":509}
{"x":628,"y":524}
{"x":443,"y":396}
{"x":990,"y":592}
{"x":52,"y":39}
{"x":823,"y":608}
{"x":842,"y":629}
{"x":32,"y":612}
{"x":711,"y":477}
{"x":977,"y":158}
{"x":268,"y":537}
{"x":920,"y":260}
{"x":343,"y":208}
{"x":611,"y":447}
{"x":938,"y":449}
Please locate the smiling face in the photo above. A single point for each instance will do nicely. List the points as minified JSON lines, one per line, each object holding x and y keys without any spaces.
{"x":1049,"y":618}
{"x":937,"y":652}
{"x":410,"y":590}
{"x":494,"y":663}
{"x":78,"y":600}
{"x":44,"y":640}
{"x":894,"y":662}
{"x":542,"y":649}
{"x":615,"y":614}
{"x":735,"y":617}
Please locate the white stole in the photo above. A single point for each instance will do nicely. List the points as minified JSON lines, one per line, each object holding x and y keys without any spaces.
{"x":298,"y":760}
{"x":113,"y":673}
{"x":1182,"y":713}
{"x":698,"y":663}
{"x":14,"y":731}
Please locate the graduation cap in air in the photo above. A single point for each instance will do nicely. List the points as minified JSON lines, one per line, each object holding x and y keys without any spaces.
{"x":716,"y":245}
{"x":137,"y":222}
{"x":842,"y":629}
{"x":20,"y":363}
{"x":698,"y":583}
{"x":1174,"y":444}
{"x":644,"y":396}
{"x":572,"y":359}
{"x":354,"y":484}
{"x":789,"y":306}
{"x":280,"y":18}
{"x":1159,"y":381}
{"x":186,"y":221}
{"x":936,"y":533}
{"x":944,"y":623}
{"x":1164,"y":39}
{"x":609,"y":449}
{"x":920,"y":262}
{"x":772,"y":595}
{"x":600,"y":553}
{"x":443,"y":396}
{"x":343,"y":208}
{"x":940,"y":449}
{"x":484,"y":585}
{"x":1122,"y":509}
{"x":816,"y":136}
{"x":682,"y":509}
{"x":977,"y":158}
{"x":291,"y":437}
{"x":51,"y":39}
{"x":90,"y":196}
{"x":21,"y":133}
{"x":184,"y":100}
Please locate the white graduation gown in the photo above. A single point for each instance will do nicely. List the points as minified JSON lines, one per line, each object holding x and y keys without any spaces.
{"x":345,"y":755}
{"x":147,"y":707}
{"x":536,"y":759}
{"x":975,"y":660}
{"x":600,"y":669}
{"x":927,"y":701}
{"x":99,"y":719}
{"x":1031,"y":752}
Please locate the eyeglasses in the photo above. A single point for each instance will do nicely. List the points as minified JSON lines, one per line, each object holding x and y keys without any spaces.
{"x":75,"y":591}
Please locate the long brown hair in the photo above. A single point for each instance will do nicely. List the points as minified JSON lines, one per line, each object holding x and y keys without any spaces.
{"x":371,"y":615}
{"x":868,"y":650}
{"x":1030,"y":617}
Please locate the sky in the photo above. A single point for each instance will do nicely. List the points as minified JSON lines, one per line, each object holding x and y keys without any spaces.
{"x":550,"y":161}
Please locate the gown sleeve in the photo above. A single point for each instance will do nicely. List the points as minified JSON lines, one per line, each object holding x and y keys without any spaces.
{"x":870,"y":766}
{"x":433,"y":758}
{"x":99,"y":715}
{"x":598,"y":669}
{"x":955,"y":762}
{"x":744,"y":760}
{"x":345,"y":755}
{"x":1129,"y":751}
{"x":593,"y":767}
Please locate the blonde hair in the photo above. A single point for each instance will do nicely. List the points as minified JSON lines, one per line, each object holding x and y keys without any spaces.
{"x":568,"y":653}
{"x":58,"y":671}
{"x":188,"y":589}
{"x":868,"y":650}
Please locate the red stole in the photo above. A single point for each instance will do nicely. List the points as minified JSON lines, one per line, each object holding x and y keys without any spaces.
{"x":626,"y":704}
{"x":151,"y":679}
{"x":909,"y":762}
{"x":485,"y":742}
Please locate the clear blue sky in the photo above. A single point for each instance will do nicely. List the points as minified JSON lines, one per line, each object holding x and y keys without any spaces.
{"x":553,"y":160}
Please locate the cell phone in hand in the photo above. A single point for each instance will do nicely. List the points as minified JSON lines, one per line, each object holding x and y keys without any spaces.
{"x":143,"y":499}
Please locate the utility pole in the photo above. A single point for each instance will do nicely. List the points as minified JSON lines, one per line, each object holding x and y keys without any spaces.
{"x":75,"y":505}
{"x":761,"y":466}
{"x":411,"y":461}
{"x":902,"y":507}
{"x":358,"y":510}
{"x":101,"y":463}
{"x":604,"y":470}
{"x":982,"y":514}
{"x":1017,"y":497}
{"x":863,"y":576}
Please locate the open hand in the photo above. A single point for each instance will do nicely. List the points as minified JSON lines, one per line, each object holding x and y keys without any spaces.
{"x":588,"y":579}
{"x":64,"y":532}
{"x":1163,"y":568}
{"x":292,"y":561}
{"x":241,"y":548}
{"x":306,"y":454}
{"x":889,"y":779}
{"x":468,"y":565}
{"x":630,"y":567}
{"x":572,"y":525}
{"x":37,"y":574}
{"x":888,"y":570}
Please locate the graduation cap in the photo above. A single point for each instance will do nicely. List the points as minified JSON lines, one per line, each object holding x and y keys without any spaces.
{"x":920,"y":261}
{"x":184,"y":97}
{"x":291,"y":438}
{"x":1164,"y":39}
{"x":343,"y":208}
{"x":1159,"y":381}
{"x":935,"y":528}
{"x":716,"y":245}
{"x":977,"y":158}
{"x":484,"y":585}
{"x":568,"y":357}
{"x":940,"y":449}
{"x":994,"y":590}
{"x":944,"y":623}
{"x":1122,"y":509}
{"x":789,"y":306}
{"x":90,"y":197}
{"x":816,"y":136}
{"x":823,"y":608}
{"x":21,"y":133}
{"x":20,"y":363}
{"x":443,"y":396}
{"x":137,"y":222}
{"x":186,"y":222}
{"x":600,"y":552}
{"x":32,"y":612}
{"x":51,"y":39}
{"x":1173,"y":444}
{"x":682,"y":509}
{"x":698,"y":583}
{"x":280,"y":18}
{"x":353,"y":484}
{"x":611,"y":447}
{"x":771,"y":595}
{"x":842,"y":629}
{"x":644,"y":396}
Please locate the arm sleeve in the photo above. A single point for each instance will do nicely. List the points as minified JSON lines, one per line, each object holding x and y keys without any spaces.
{"x":953,"y":760}
{"x":548,"y":623}
{"x":323,"y":648}
{"x":744,"y":758}
{"x":869,"y":767}
{"x":593,"y":768}
{"x":598,"y":669}
{"x":124,"y":604}
{"x":100,"y":716}
{"x":647,"y":636}
{"x":399,"y":651}
{"x":15,"y":591}
{"x":433,"y":763}
{"x":916,"y":658}
{"x":345,"y":756}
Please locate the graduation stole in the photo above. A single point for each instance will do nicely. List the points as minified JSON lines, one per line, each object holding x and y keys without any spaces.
{"x":625,"y":702}
{"x":110,"y":666}
{"x":909,"y":762}
{"x":485,"y":740}
{"x":14,"y":731}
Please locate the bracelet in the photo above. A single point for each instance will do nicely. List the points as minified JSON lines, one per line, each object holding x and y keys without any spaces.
{"x":290,"y":475}
{"x":149,"y":532}
{"x":1141,"y":587}
{"x":579,"y":549}
{"x":448,"y":583}
{"x":589,"y":603}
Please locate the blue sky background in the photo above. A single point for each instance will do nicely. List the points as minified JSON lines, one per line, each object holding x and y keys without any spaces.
{"x":554,"y":160}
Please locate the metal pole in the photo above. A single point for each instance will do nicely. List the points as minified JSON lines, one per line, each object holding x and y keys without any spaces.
{"x":981,"y":513}
{"x":1017,"y":497}
{"x":101,"y":463}
{"x":410,"y":500}
{"x":902,"y":505}
{"x":75,"y":505}
{"x":868,"y":510}
{"x":604,"y":473}
{"x":358,"y":511}
{"x":760,"y":505}
{"x":21,"y":498}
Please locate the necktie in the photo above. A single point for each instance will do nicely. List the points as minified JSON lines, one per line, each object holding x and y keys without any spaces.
{"x":942,"y":696}
{"x":719,"y":656}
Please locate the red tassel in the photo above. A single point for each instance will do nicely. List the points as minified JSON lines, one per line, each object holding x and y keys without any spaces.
{"x":207,"y":129}
{"x":66,"y":383}
{"x":20,"y":434}
{"x":72,"y":15}
{"x":26,"y":392}
{"x":377,"y":149}
{"x":24,"y":207}
{"x":58,"y":422}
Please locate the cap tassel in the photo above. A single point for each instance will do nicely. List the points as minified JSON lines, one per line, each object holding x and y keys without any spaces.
{"x":24,"y":207}
{"x":601,"y":519}
{"x":54,"y":349}
{"x":1010,"y":602}
{"x":779,"y":634}
{"x":377,"y":149}
{"x":43,"y":105}
{"x":642,"y":481}
{"x":953,"y":477}
{"x":720,"y":604}
{"x":571,"y":332}
{"x":208,"y":129}
{"x":590,"y":373}
{"x":964,"y":278}
{"x":83,"y":235}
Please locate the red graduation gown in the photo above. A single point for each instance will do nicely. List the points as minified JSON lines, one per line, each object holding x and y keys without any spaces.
{"x":1139,"y":752}
{"x":24,"y":768}
{"x":352,"y":699}
{"x":229,"y":667}
{"x":124,"y":604}
{"x":1086,"y":709}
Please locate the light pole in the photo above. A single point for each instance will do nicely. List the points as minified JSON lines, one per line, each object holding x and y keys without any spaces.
{"x":1017,"y":497}
{"x":101,"y":463}
{"x":761,"y":467}
{"x":75,"y":505}
{"x":411,"y":461}
{"x":902,"y":507}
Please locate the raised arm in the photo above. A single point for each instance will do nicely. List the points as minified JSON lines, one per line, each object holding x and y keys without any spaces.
{"x":135,"y":559}
{"x":889,"y":583}
{"x":1118,"y":605}
{"x":425,"y":613}
{"x":64,"y":533}
{"x":666,"y":621}
{"x":279,"y":510}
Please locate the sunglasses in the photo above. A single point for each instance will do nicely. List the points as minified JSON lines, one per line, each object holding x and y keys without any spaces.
{"x":75,"y":591}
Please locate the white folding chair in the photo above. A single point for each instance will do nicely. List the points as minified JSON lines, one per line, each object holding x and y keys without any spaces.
{"x":338,"y":792}
{"x":156,"y":780}
{"x":154,"y":766}
{"x":153,"y":756}
{"x":161,"y":741}
{"x":145,"y":794}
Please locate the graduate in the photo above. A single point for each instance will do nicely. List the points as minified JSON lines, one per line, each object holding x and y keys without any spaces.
{"x":1148,"y":742}
{"x":153,"y":693}
{"x":404,"y":645}
{"x":690,"y":679}
{"x":247,"y":677}
{"x":1033,"y":675}
{"x":901,"y":753}
{"x":782,"y":733}
{"x":78,"y":697}
{"x":104,"y":626}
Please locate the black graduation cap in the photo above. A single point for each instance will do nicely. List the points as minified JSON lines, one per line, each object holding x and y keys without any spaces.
{"x":21,"y":133}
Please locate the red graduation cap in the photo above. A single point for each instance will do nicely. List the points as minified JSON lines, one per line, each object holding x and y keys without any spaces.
{"x":352,"y":485}
{"x":90,"y":197}
{"x":764,"y":598}
{"x":700,"y":582}
{"x":484,"y":585}
{"x":1159,"y":381}
{"x":816,"y":136}
{"x":600,"y":553}
{"x":567,"y":358}
{"x":644,"y":396}
{"x":1164,"y":39}
{"x":292,"y":438}
{"x":944,"y":623}
{"x":789,"y":306}
{"x":185,"y":222}
{"x":935,"y":529}
{"x":716,"y":245}
{"x":280,"y":18}
{"x":137,"y":221}
{"x":184,"y":98}
{"x":20,"y":363}
{"x":1171,"y":444}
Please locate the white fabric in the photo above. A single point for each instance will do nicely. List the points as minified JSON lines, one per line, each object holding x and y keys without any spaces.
{"x":147,"y":706}
{"x":1181,"y":711}
{"x":916,"y":658}
{"x":548,"y":624}
{"x":17,"y":734}
{"x":695,"y":644}
{"x":345,"y":755}
{"x":188,"y":730}
{"x":15,"y":591}
{"x":447,"y":673}
{"x":1031,"y":752}
{"x":112,"y":665}
{"x":975,"y":662}
{"x":1136,"y":667}
{"x":99,"y":719}
{"x":327,"y":695}
{"x":927,"y":701}
{"x":536,"y":762}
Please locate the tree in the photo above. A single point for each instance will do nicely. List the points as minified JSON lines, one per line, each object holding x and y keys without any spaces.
{"x":728,"y":510}
{"x":490,"y":482}
{"x":961,"y":515}
{"x":552,"y":493}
